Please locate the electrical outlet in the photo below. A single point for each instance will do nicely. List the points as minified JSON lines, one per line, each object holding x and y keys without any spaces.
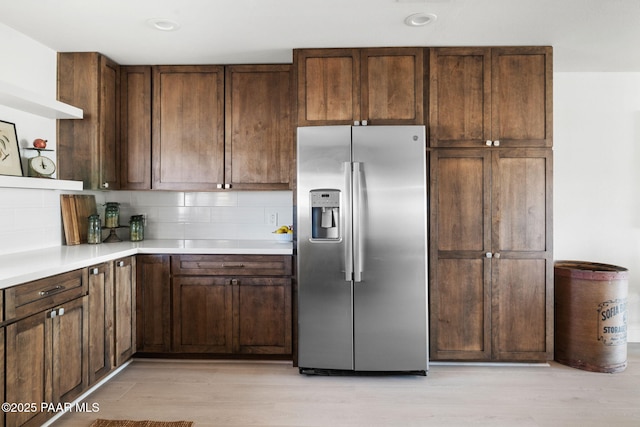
{"x":271,"y":217}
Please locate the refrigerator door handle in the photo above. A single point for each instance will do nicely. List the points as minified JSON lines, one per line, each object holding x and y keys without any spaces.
{"x":346,"y":220}
{"x":357,"y":226}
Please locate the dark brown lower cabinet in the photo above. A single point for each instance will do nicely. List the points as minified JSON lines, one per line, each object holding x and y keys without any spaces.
{"x":202,"y":309}
{"x":245,"y":315}
{"x":262,"y":315}
{"x":153,"y":304}
{"x":124,"y":309}
{"x":220,"y":304}
{"x":100,"y":321}
{"x":46,"y":357}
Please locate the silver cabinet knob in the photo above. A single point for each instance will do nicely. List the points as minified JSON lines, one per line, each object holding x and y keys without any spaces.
{"x":364,"y":123}
{"x":489,"y":255}
{"x":496,"y":255}
{"x":105,"y":185}
{"x":496,"y":143}
{"x":94,"y":271}
{"x":489,"y":143}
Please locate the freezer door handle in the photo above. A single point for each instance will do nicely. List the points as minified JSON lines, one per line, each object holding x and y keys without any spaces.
{"x":345,"y":218}
{"x":357,"y":223}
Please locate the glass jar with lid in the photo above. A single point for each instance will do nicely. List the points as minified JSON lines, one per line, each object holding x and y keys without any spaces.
{"x":136,"y":228}
{"x":112,"y":215}
{"x":94,"y":232}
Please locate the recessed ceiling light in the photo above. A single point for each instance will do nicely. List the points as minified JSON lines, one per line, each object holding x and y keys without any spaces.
{"x":163,"y":24}
{"x":420,"y":19}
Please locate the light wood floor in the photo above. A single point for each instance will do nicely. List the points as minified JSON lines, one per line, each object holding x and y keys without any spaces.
{"x":222,"y":393}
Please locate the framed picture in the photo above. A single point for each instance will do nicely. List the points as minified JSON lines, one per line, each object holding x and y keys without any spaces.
{"x":10,"y":163}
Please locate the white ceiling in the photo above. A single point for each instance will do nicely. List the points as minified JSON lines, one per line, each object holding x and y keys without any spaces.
{"x":587,"y":35}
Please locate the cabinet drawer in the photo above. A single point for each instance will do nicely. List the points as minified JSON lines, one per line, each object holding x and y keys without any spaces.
{"x":231,"y":265}
{"x":29,"y":298}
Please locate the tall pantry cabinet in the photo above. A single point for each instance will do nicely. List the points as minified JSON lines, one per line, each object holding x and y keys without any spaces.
{"x":491,"y":261}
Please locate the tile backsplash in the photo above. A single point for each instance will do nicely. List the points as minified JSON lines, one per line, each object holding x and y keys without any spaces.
{"x":30,"y":219}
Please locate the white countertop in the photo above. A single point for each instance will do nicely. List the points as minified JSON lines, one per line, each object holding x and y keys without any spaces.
{"x":32,"y":265}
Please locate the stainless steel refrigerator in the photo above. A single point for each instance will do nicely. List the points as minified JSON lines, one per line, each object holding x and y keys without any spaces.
{"x":361,"y":249}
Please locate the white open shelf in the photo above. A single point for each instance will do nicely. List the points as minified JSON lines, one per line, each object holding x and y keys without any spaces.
{"x":31,"y":102}
{"x":39,"y":183}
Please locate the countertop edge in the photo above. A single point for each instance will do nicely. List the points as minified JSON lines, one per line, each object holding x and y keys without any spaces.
{"x":19,"y":268}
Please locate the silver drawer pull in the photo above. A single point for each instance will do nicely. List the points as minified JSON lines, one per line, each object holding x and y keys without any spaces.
{"x":53,"y":290}
{"x":232,"y":265}
{"x":120,"y":264}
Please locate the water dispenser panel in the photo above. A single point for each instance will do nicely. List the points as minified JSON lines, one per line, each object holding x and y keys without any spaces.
{"x":325,"y":214}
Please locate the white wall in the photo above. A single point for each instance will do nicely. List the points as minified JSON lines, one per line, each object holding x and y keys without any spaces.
{"x":28,"y":218}
{"x":597,"y":174}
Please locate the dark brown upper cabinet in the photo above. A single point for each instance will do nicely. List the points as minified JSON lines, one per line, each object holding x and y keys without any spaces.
{"x":88,"y":148}
{"x":374,"y":86}
{"x":498,"y":96}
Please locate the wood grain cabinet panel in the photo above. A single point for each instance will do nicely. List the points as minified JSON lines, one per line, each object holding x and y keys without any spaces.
{"x":188,"y":127}
{"x":88,"y":149}
{"x":125,"y":309}
{"x":499,"y":94}
{"x":232,"y":304}
{"x":153,"y":303}
{"x":262,"y":315}
{"x":491,"y":287}
{"x":202,"y":307}
{"x":46,"y":359}
{"x":392,"y":86}
{"x":328,"y":86}
{"x":259,"y":127}
{"x":70,"y":348}
{"x":135,"y":127}
{"x":342,"y":86}
{"x":100,"y":321}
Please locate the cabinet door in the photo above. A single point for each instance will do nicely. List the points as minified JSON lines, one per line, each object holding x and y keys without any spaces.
{"x":459,"y":94}
{"x":188,"y":127}
{"x":87,"y":148}
{"x":135,"y":128}
{"x":328,"y":86}
{"x":522,"y":290}
{"x":109,"y":125}
{"x":392,"y":86}
{"x":522,"y":96}
{"x":460,"y":272}
{"x":491,"y":269}
{"x":259,"y":134}
{"x":262,"y":315}
{"x":202,"y":307}
{"x":153,"y":303}
{"x":125,"y":303}
{"x":70,"y":348}
{"x":28,"y":367}
{"x":100,"y":321}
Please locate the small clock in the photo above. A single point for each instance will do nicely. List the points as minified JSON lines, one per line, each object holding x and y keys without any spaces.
{"x":41,"y":167}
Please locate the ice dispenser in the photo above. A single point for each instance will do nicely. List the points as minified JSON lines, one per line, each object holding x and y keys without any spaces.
{"x":325,"y":214}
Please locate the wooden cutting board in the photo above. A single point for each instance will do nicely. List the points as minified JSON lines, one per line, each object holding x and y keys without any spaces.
{"x":76,"y":209}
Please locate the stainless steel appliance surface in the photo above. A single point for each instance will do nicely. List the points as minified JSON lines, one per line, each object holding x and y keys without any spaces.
{"x":361,"y":249}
